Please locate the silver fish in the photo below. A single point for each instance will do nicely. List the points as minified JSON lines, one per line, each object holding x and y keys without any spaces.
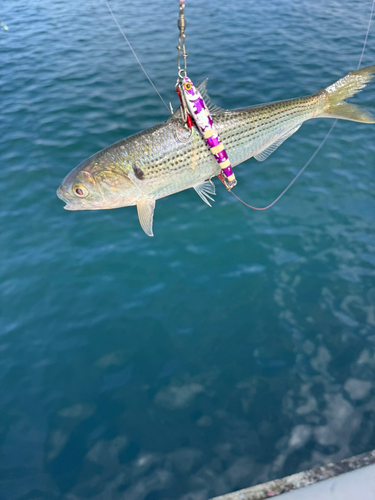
{"x":169,"y":158}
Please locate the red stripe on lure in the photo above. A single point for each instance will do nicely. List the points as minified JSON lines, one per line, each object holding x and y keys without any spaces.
{"x":188,"y":117}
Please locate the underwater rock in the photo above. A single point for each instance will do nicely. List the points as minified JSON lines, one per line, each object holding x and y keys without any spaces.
{"x":357,"y":389}
{"x":175,"y":397}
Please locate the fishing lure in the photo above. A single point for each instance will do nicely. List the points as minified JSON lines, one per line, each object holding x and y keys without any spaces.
{"x":194,"y":107}
{"x":202,"y":117}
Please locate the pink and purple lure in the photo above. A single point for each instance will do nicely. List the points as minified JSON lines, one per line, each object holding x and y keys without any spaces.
{"x":203,"y":119}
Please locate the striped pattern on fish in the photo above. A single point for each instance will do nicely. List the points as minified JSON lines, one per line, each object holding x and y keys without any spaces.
{"x":169,"y":158}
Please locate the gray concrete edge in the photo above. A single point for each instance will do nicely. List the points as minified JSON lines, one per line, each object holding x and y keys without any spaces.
{"x":301,"y":479}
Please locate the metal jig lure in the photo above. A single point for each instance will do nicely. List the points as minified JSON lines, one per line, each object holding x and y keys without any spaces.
{"x":194,"y":108}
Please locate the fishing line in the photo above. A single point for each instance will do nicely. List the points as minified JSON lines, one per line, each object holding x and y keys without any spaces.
{"x":323,"y":141}
{"x":367,"y":34}
{"x":135,"y":55}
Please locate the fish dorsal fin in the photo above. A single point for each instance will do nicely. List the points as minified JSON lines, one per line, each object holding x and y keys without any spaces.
{"x":212,"y":107}
{"x":263,"y":155}
{"x":204,"y":190}
{"x":146,"y":208}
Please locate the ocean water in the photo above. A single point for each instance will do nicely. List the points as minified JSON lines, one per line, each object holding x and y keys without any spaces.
{"x":233,"y":347}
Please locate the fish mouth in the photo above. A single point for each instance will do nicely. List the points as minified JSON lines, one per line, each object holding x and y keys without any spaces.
{"x":64,"y":196}
{"x":72,"y":204}
{"x":69,"y":207}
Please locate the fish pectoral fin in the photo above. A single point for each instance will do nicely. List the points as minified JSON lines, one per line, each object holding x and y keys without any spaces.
{"x":204,"y":190}
{"x":212,"y":107}
{"x":146,"y":208}
{"x":263,"y":155}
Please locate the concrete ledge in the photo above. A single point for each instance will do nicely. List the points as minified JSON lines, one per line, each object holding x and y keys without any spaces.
{"x":314,"y":476}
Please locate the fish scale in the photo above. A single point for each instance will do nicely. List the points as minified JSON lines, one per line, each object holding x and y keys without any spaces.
{"x":244,"y":133}
{"x":169,"y":157}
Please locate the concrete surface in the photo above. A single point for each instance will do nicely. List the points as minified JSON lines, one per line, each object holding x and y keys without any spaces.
{"x":350,"y":479}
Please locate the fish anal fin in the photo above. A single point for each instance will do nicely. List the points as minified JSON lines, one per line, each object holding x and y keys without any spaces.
{"x":204,"y":190}
{"x":212,"y":107}
{"x":145,"y":208}
{"x":263,"y":155}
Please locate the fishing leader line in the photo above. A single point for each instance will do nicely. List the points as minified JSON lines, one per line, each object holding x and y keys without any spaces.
{"x":325,"y":138}
{"x":135,"y":55}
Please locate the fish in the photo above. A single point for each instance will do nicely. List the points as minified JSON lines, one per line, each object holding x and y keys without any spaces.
{"x":169,"y":157}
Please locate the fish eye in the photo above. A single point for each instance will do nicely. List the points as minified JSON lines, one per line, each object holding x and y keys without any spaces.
{"x":80,"y":190}
{"x":187,"y":86}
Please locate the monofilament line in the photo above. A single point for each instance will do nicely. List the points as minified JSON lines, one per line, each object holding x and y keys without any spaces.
{"x":367,"y":34}
{"x":296,"y":177}
{"x":325,"y":138}
{"x":134,"y":54}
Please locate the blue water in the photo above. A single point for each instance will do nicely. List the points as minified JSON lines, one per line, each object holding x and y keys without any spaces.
{"x":235,"y":346}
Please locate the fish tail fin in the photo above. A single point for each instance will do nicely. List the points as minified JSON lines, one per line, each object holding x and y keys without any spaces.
{"x":336,"y":94}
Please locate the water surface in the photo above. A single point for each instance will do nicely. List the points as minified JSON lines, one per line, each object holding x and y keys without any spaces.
{"x":235,"y":346}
